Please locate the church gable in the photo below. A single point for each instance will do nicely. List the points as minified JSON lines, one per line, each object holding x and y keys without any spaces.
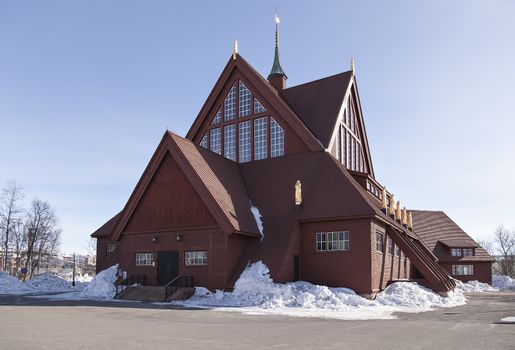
{"x":169,"y":202}
{"x":243,"y":119}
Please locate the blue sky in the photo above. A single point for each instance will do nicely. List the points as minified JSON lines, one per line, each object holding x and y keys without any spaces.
{"x":87,"y":88}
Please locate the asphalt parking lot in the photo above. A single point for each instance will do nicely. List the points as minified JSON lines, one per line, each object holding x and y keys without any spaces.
{"x":27,"y":323}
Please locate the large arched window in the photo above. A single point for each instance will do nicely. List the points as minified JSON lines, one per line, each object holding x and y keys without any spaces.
{"x":242,"y":130}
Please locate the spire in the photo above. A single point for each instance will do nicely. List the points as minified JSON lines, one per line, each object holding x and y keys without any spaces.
{"x":277,"y":77}
{"x":235,"y":49}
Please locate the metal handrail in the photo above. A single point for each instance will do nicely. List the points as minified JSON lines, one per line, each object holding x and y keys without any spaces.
{"x":176,"y":283}
{"x":125,"y":283}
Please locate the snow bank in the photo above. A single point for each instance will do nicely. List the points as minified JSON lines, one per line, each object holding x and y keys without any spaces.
{"x":503,"y":282}
{"x":255,"y":292}
{"x":102,"y":286}
{"x":48,"y":282}
{"x":257,"y":217}
{"x":473,"y":287}
{"x":11,"y":285}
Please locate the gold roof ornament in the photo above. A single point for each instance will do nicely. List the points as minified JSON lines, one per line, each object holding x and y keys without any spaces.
{"x":398,"y":211}
{"x":404,"y":216}
{"x":410,"y":221}
{"x":353,"y":66}
{"x":235,"y":49}
{"x":384,"y":204}
{"x":391,"y":206}
{"x":298,"y":193}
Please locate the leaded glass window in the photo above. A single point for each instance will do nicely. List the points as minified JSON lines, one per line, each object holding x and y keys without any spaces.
{"x":245,"y":100}
{"x":245,"y":141}
{"x":230,"y":142}
{"x":195,"y":258}
{"x":462,"y":270}
{"x":277,"y":139}
{"x":218,"y":117}
{"x":260,"y":138}
{"x":258,"y":107}
{"x":145,"y":259}
{"x":203,"y":142}
{"x":332,"y":241}
{"x":230,"y":104}
{"x":215,"y":140}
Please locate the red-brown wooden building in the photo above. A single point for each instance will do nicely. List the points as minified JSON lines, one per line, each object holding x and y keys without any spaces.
{"x":300,"y":157}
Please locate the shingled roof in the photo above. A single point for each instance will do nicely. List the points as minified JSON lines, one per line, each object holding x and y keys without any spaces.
{"x":318,"y":103}
{"x":438,"y":232}
{"x":107,"y":228}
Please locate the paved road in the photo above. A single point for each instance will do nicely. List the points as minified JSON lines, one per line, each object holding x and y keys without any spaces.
{"x":27,"y":323}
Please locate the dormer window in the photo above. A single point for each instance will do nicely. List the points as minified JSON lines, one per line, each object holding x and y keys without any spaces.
{"x":242,"y":131}
{"x":456,"y":251}
{"x":468,"y":251}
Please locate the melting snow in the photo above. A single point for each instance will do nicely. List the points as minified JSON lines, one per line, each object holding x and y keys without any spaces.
{"x":257,"y":217}
{"x":256,"y":293}
{"x":12,"y":285}
{"x":48,"y":282}
{"x":102,"y":286}
{"x":503,"y":282}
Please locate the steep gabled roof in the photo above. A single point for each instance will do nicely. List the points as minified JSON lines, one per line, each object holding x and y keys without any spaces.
{"x":215,"y":178}
{"x":268,"y":92}
{"x":106,"y":229}
{"x":318,"y":103}
{"x":437,"y":230}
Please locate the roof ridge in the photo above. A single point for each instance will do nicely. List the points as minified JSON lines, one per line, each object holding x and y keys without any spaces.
{"x":317,"y":80}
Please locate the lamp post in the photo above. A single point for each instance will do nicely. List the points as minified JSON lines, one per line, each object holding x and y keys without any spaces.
{"x":73,"y":273}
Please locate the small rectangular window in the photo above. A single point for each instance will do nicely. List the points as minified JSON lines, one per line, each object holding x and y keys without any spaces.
{"x":468,"y":252}
{"x":145,"y":259}
{"x":261,"y":138}
{"x":397,"y":251}
{"x":332,"y":241}
{"x":456,"y":252}
{"x":230,"y":142}
{"x":379,"y":242}
{"x":245,"y":141}
{"x":215,"y":140}
{"x":277,"y":139}
{"x":110,"y":249}
{"x":462,"y":270}
{"x":195,"y":258}
{"x":390,"y":245}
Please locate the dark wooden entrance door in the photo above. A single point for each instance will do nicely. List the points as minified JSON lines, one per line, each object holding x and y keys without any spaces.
{"x":167,"y":266}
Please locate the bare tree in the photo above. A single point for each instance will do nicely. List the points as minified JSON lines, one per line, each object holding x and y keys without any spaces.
{"x":487,"y":245}
{"x":10,"y":214}
{"x":504,"y":243}
{"x":91,"y":248}
{"x":43,"y":236}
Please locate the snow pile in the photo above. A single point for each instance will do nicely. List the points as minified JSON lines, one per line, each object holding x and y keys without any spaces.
{"x":255,"y":292}
{"x":257,"y":217}
{"x":48,"y":282}
{"x":11,"y":285}
{"x":473,"y":287}
{"x":411,"y":295}
{"x":102,"y":286}
{"x":503,"y":282}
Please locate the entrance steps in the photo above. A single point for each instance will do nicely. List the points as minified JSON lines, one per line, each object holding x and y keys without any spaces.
{"x":154,"y":294}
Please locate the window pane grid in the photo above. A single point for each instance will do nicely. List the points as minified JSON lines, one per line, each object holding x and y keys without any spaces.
{"x":195,"y":258}
{"x":203,"y":142}
{"x":379,"y":242}
{"x":245,"y":100}
{"x":215,"y":140}
{"x":144,"y":259}
{"x":260,"y":138}
{"x":218,"y":117}
{"x":245,"y":145}
{"x":230,"y":104}
{"x":277,"y":139}
{"x":462,"y":270}
{"x":332,"y":241}
{"x":258,"y":107}
{"x":230,"y":142}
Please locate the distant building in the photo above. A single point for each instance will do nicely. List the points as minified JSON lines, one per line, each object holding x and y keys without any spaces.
{"x":296,"y":157}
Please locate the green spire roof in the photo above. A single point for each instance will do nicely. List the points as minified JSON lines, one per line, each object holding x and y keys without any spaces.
{"x":276,"y":67}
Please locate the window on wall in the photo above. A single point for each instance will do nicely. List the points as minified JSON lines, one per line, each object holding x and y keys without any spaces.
{"x":260,"y":138}
{"x":230,"y":104}
{"x":195,"y":258}
{"x":397,"y":251}
{"x":277,"y":139}
{"x":339,"y":144}
{"x":245,"y":100}
{"x":332,"y":241}
{"x":456,"y":252}
{"x":390,"y":246}
{"x":215,"y":140}
{"x":468,"y":252}
{"x":462,"y":270}
{"x":218,"y":117}
{"x":245,"y":145}
{"x":145,"y":259}
{"x":258,"y":107}
{"x":379,"y":242}
{"x":249,"y":139}
{"x":110,"y":249}
{"x":230,"y":141}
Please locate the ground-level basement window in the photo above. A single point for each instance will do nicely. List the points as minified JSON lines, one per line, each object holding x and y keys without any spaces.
{"x":462,"y":270}
{"x":195,"y":258}
{"x":332,"y":241}
{"x":110,"y":248}
{"x":145,"y":259}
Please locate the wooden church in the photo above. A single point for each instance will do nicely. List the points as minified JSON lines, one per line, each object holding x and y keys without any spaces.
{"x":272,"y":173}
